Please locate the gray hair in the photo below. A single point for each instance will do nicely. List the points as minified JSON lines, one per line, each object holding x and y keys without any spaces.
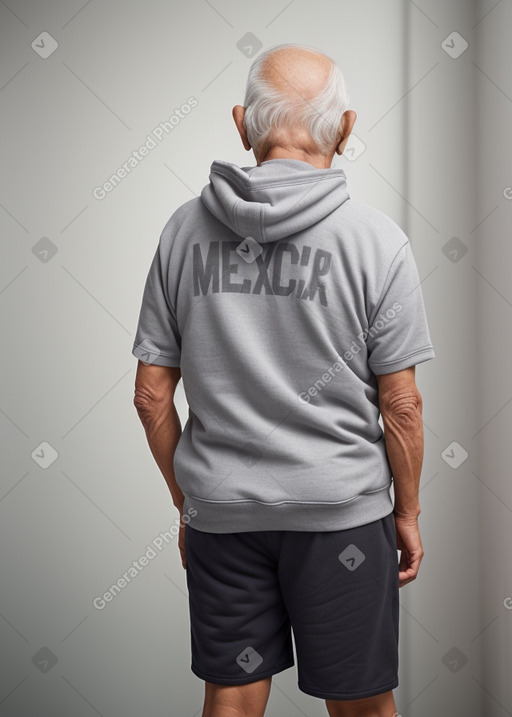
{"x":268,"y":110}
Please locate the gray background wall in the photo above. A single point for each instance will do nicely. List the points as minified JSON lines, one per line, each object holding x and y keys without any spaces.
{"x":435,"y":127}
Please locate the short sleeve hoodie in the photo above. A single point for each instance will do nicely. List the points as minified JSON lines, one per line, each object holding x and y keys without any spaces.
{"x":281,"y":299}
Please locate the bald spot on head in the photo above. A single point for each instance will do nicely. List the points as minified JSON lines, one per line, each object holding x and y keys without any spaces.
{"x":297,"y":72}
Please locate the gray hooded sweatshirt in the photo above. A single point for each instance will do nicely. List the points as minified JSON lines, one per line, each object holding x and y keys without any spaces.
{"x":281,"y":298}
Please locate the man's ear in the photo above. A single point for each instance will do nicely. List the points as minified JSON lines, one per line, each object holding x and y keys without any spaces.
{"x":238,"y":116}
{"x":347,"y":122}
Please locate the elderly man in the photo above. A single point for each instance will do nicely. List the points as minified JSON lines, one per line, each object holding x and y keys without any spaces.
{"x":295,"y":316}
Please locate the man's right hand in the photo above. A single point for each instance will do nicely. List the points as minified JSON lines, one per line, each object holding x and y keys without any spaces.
{"x":408,"y":540}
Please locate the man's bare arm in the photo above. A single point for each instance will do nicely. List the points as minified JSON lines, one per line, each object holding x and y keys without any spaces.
{"x":401,"y":408}
{"x":154,"y":400}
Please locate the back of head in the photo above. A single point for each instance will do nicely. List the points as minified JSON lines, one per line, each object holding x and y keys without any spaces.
{"x":295,"y":94}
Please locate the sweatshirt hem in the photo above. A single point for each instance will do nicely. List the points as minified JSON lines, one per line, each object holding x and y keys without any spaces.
{"x":249,"y":515}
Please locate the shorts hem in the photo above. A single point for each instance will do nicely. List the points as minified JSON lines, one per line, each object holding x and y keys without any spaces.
{"x":240,"y":680}
{"x":348,"y":695}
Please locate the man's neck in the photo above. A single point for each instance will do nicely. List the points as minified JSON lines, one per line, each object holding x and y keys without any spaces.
{"x":320,"y":161}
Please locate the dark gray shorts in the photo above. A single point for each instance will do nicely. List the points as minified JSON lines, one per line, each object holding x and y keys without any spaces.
{"x":337,"y":591}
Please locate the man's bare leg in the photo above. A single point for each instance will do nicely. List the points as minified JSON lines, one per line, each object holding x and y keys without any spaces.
{"x":382,"y":705}
{"x":236,"y":700}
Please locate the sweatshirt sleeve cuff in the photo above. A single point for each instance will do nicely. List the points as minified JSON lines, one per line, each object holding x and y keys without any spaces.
{"x":424,"y":354}
{"x":153,"y":357}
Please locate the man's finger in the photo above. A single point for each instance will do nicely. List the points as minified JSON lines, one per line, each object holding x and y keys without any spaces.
{"x":406,"y":576}
{"x":408,"y":569}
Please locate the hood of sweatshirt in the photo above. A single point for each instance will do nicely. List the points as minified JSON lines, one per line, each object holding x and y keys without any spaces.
{"x":274,"y":200}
